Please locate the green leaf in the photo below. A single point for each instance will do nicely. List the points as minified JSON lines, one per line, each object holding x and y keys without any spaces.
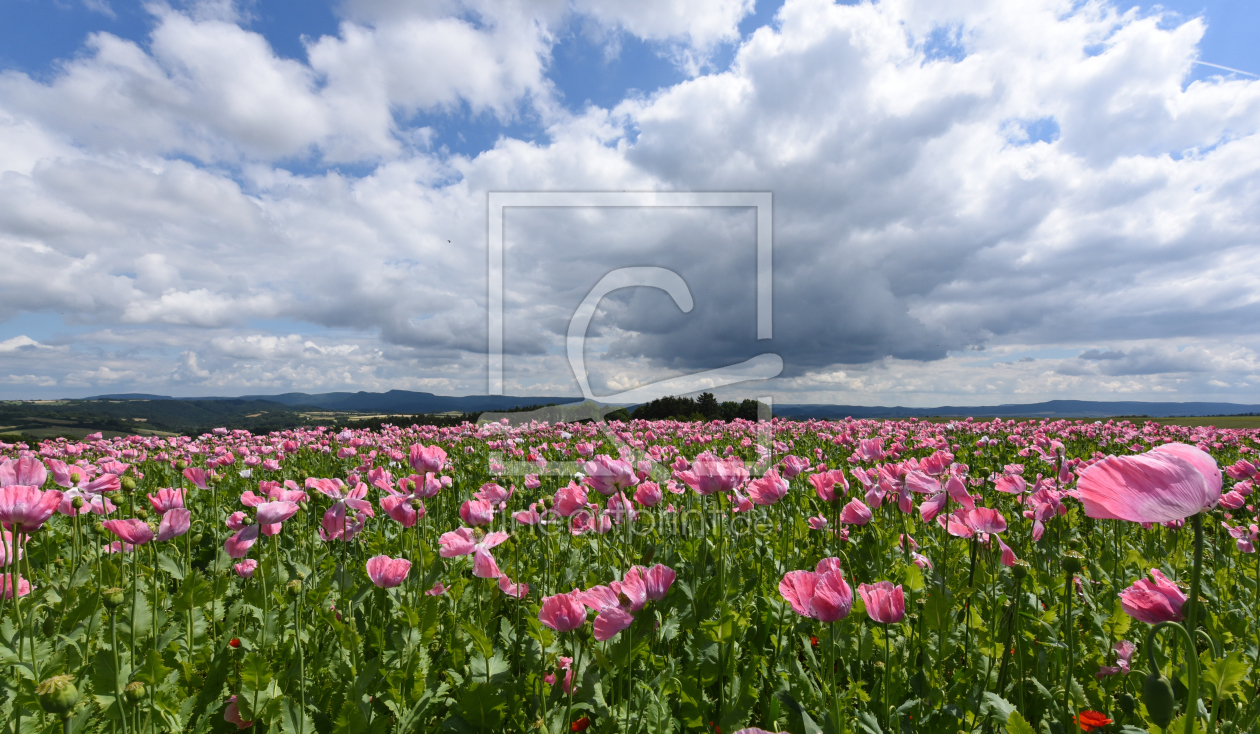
{"x":212,"y":687}
{"x":996,"y":706}
{"x":483,"y":705}
{"x":152,"y":671}
{"x":168,"y":564}
{"x":936,"y":611}
{"x":294,"y":719}
{"x":868,"y":723}
{"x":1016,"y":724}
{"x":1224,"y":675}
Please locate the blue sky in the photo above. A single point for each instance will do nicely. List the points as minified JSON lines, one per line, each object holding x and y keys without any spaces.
{"x":35,"y":35}
{"x":972,"y":199}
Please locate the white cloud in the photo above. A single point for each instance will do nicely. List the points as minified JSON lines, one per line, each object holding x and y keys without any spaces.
{"x":920,"y":231}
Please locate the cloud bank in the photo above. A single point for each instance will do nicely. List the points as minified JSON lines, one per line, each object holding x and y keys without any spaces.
{"x":972,"y":202}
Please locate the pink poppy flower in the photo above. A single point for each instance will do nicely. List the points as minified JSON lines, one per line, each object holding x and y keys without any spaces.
{"x":476,"y":512}
{"x":437,"y":590}
{"x":563,"y":612}
{"x":198,"y":476}
{"x":424,"y":459}
{"x":6,"y":549}
{"x":6,"y":586}
{"x":985,"y":520}
{"x":613,"y":616}
{"x":1008,"y":555}
{"x":528,"y":517}
{"x":136,"y":532}
{"x":1153,"y":601}
{"x":648,"y":494}
{"x":463,"y":542}
{"x":825,"y":597}
{"x":245,"y":569}
{"x":709,"y":474}
{"x":173,"y":524}
{"x":1170,"y":482}
{"x":26,"y":509}
{"x":769,"y":488}
{"x":118,"y":547}
{"x":26,"y":471}
{"x":232,"y":715}
{"x":793,"y":466}
{"x":884,"y":602}
{"x":657,"y":581}
{"x":606,"y":475}
{"x":855,"y":513}
{"x":274,"y":513}
{"x":387,"y":572}
{"x":493,"y":493}
{"x":516,"y":591}
{"x":825,"y":484}
{"x":167,"y":498}
{"x":239,"y":544}
{"x":570,"y":500}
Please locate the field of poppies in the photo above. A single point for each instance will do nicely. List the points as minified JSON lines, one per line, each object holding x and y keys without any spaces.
{"x":853,"y":576}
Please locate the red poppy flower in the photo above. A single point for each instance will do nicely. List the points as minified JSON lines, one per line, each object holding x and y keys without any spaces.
{"x":1090,"y":720}
{"x":813,"y":641}
{"x":581,"y":724}
{"x":234,"y":642}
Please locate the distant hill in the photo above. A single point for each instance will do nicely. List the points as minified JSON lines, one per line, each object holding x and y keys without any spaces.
{"x":1049,"y":409}
{"x":394,"y":401}
{"x":408,"y":402}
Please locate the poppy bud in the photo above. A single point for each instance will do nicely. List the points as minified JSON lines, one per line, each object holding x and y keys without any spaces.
{"x":112,"y":598}
{"x":197,"y":538}
{"x":181,"y":465}
{"x":648,"y":554}
{"x":134,"y":692}
{"x":77,"y":503}
{"x":128,"y":484}
{"x":1158,"y":695}
{"x":57,"y":695}
{"x":1128,"y":704}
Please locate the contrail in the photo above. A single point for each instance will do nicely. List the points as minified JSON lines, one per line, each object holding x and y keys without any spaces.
{"x":1227,"y":68}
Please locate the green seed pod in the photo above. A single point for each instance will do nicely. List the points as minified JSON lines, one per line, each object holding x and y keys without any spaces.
{"x":1073,"y":562}
{"x":77,"y":503}
{"x":57,"y":695}
{"x":142,"y":513}
{"x":1128,"y":704}
{"x":181,"y":465}
{"x":128,"y":484}
{"x":113,"y":598}
{"x":134,"y":692}
{"x":293,"y":587}
{"x":1158,"y":695}
{"x":1020,"y":569}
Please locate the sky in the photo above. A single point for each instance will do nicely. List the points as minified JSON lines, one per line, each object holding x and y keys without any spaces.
{"x":974,"y":201}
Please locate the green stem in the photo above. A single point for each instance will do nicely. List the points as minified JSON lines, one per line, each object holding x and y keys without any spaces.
{"x":1192,"y":667}
{"x":1069,"y":720}
{"x":1192,"y":658}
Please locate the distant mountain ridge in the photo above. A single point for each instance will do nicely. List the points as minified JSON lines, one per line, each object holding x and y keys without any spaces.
{"x":393,"y":401}
{"x":406,"y":401}
{"x":1048,"y":409}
